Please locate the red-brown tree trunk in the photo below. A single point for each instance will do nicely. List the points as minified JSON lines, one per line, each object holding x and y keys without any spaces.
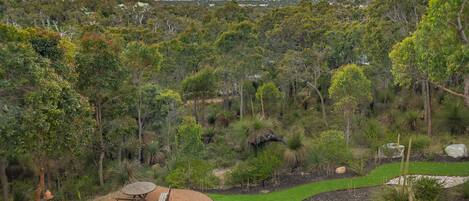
{"x":40,"y":186}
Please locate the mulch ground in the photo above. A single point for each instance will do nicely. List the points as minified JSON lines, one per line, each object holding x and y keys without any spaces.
{"x":362,"y":194}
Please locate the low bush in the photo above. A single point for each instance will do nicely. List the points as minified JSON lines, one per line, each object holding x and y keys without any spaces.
{"x":372,"y":135}
{"x":192,"y":174}
{"x":256,"y":169}
{"x":328,"y":150}
{"x":465,"y":190}
{"x":427,"y":189}
{"x":419,"y":143}
{"x":394,"y":193}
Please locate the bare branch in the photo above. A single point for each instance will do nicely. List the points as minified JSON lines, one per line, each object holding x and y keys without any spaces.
{"x":460,"y":26}
{"x":450,"y":91}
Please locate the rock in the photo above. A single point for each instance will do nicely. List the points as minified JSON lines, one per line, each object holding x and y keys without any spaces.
{"x":391,"y":150}
{"x":340,"y":170}
{"x":456,"y":150}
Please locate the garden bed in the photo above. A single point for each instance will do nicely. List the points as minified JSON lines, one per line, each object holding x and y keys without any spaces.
{"x":285,"y":181}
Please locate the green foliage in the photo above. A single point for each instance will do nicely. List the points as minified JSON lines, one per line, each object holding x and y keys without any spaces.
{"x":329,"y":149}
{"x":192,"y":174}
{"x":427,"y":189}
{"x":256,"y":169}
{"x":200,"y":85}
{"x":465,"y":190}
{"x":189,"y":140}
{"x":295,"y":154}
{"x":268,"y":94}
{"x":454,"y":116}
{"x":141,"y":59}
{"x":22,"y":190}
{"x":372,"y":134}
{"x":420,"y":143}
{"x":350,"y":87}
{"x":394,"y":193}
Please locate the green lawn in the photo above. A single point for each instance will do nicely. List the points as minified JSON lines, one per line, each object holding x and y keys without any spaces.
{"x":376,"y":177}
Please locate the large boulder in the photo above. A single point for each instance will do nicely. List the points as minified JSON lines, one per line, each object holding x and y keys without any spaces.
{"x":391,"y":150}
{"x":456,"y":150}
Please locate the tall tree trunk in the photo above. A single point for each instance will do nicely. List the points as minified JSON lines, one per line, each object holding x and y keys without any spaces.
{"x":262,"y":106}
{"x":241,"y":101}
{"x":348,"y":128}
{"x":428,"y":109}
{"x":4,"y":178}
{"x":140,"y":130}
{"x":466,"y":89}
{"x":101,"y":142}
{"x":323,"y":106}
{"x":40,"y":186}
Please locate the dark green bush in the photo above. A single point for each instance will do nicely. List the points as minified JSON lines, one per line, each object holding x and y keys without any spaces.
{"x":454,"y":117}
{"x":465,"y":190}
{"x":372,"y":134}
{"x":329,"y":149}
{"x":256,"y":169}
{"x":419,"y":143}
{"x":427,"y":189}
{"x":22,"y":190}
{"x":395,"y":193}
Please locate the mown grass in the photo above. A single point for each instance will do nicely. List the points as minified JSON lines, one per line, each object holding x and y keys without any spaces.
{"x":376,"y":177}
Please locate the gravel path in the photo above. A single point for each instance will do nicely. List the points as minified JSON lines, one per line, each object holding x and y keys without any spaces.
{"x":447,"y":181}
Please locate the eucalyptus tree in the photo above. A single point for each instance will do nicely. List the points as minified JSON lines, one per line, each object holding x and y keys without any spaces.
{"x":439,"y":46}
{"x":199,"y":87}
{"x":240,"y":56}
{"x":268,"y":94}
{"x":307,"y":66}
{"x":143,"y":62}
{"x":53,"y":119}
{"x":349,"y":88}
{"x":99,"y":75}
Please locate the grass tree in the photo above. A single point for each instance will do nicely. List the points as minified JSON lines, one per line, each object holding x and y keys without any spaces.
{"x":143,"y":62}
{"x":295,"y":152}
{"x":349,"y":88}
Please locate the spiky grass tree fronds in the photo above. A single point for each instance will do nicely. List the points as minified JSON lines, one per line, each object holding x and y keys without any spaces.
{"x":295,"y":153}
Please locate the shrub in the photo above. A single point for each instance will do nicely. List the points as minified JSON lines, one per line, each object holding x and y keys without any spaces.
{"x":372,"y":135}
{"x":427,"y":189}
{"x":256,"y":169}
{"x":454,"y":116}
{"x":395,"y":193}
{"x":329,"y":149}
{"x":192,"y":174}
{"x":22,"y":190}
{"x":465,"y":190}
{"x":419,"y":143}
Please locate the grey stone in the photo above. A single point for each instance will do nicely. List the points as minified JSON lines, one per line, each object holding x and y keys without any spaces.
{"x":456,"y":150}
{"x":391,"y":150}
